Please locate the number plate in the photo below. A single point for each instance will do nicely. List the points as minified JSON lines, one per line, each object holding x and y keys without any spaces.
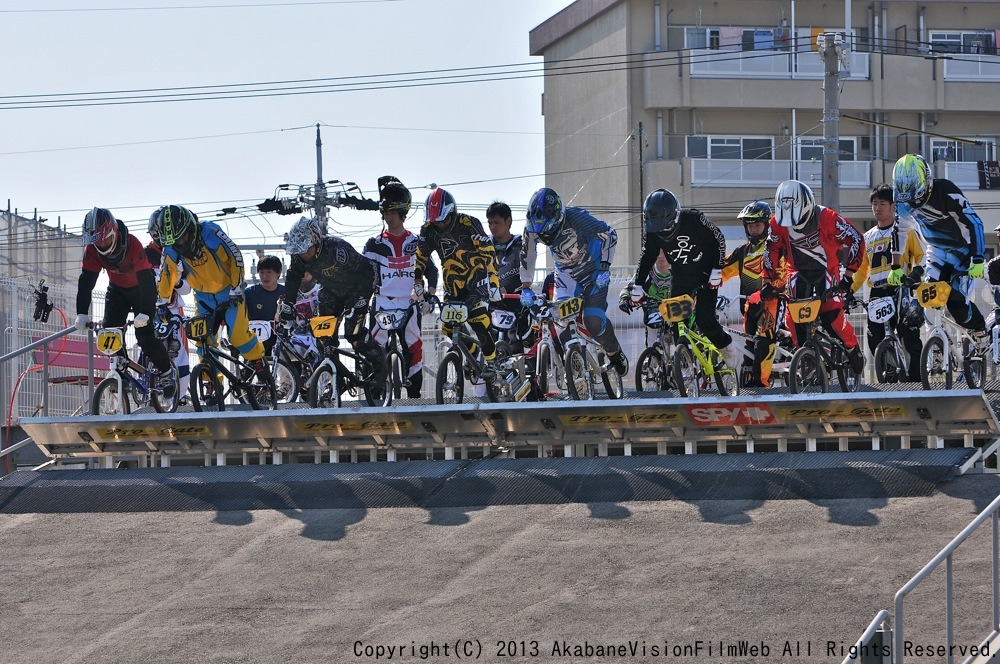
{"x":262,"y":329}
{"x":110,"y":340}
{"x":933,"y":294}
{"x":197,"y":328}
{"x":454,"y":313}
{"x":323,"y":326}
{"x":676,"y":309}
{"x":391,"y":319}
{"x":881,"y":309}
{"x":503,"y":320}
{"x":804,"y":311}
{"x":569,"y":308}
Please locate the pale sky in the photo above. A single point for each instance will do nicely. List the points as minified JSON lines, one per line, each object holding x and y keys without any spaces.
{"x":132,"y":158}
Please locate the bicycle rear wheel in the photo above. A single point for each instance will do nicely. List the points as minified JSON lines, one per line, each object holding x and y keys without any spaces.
{"x":205,"y":389}
{"x":108,"y":400}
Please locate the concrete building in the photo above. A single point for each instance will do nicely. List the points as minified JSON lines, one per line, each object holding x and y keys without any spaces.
{"x":729,"y":95}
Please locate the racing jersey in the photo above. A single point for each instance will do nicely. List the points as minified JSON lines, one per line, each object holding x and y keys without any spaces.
{"x":816,"y":249}
{"x":466,"y":255}
{"x":508,"y":257}
{"x":338,"y":268}
{"x":747,"y":263}
{"x":396,"y":256}
{"x":176,"y":304}
{"x":697,"y":246}
{"x":217,"y":267}
{"x":133,"y":271}
{"x":880,"y":244}
{"x":658,"y":285}
{"x":581,"y":245}
{"x":947,"y":220}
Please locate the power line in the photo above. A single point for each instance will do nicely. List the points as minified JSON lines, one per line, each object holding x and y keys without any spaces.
{"x":480,"y":74}
{"x":234,"y":6}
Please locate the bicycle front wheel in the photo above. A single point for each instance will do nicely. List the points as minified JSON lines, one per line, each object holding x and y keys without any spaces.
{"x":577,"y":374}
{"x":323,"y":390}
{"x":206,"y":390}
{"x":108,"y":400}
{"x":936,"y":371}
{"x":286,"y":381}
{"x":261,"y":391}
{"x":396,"y":373}
{"x":806,"y":374}
{"x":727,"y":381}
{"x":848,"y":380}
{"x":450,"y":384}
{"x":377,"y":383}
{"x":686,"y":374}
{"x":161,"y":404}
{"x":650,"y":371}
{"x":889,"y":362}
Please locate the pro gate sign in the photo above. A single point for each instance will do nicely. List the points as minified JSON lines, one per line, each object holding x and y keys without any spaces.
{"x":719,"y":415}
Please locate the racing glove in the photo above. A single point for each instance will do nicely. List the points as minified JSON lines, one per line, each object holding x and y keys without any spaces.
{"x":236,"y":296}
{"x":895,"y":276}
{"x":977,"y":269}
{"x":140,"y":321}
{"x":286,"y":313}
{"x":715,"y":278}
{"x":527,"y":297}
{"x":82,"y":321}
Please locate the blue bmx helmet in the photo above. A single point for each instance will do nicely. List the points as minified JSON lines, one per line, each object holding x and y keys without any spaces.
{"x":545,"y":214}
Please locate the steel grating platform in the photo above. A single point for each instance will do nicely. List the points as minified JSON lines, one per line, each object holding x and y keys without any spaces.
{"x":490,"y":481}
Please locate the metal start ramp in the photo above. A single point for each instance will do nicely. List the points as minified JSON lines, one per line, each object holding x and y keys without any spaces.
{"x":484,"y":482}
{"x":682,"y":423}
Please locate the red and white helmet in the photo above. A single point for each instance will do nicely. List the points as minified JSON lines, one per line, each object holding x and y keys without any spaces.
{"x":439,"y":206}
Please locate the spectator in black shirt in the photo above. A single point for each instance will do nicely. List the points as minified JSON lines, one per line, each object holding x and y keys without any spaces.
{"x":262,"y":298}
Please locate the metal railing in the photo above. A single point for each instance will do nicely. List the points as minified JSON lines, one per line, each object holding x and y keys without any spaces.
{"x":865,"y":643}
{"x":897,"y":623}
{"x":46,"y":376}
{"x":993,"y":514}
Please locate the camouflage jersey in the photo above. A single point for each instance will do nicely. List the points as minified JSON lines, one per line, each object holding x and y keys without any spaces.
{"x":466,"y":253}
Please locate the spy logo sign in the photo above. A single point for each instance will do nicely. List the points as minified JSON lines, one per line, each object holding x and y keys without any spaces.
{"x":724,"y":415}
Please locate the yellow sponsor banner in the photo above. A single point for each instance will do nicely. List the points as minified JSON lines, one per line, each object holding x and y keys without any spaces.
{"x":157,"y":433}
{"x":633,"y":419}
{"x":873,"y":412}
{"x":354,"y":426}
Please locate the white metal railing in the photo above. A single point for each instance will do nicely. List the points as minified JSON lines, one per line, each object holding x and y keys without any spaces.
{"x":770,"y":172}
{"x":853,"y":174}
{"x":862,"y":649}
{"x":712,"y":63}
{"x":970,"y":67}
{"x":992,"y":512}
{"x":963,"y":173}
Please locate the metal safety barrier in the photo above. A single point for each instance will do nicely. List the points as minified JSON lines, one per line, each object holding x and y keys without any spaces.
{"x":565,"y":428}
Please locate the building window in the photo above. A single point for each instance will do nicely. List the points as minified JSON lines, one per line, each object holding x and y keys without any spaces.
{"x":945,"y":150}
{"x":976,"y":43}
{"x":730,"y":147}
{"x":812,"y":149}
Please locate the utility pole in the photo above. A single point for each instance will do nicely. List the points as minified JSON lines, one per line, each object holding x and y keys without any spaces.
{"x":642,"y":197}
{"x":831,"y":53}
{"x":319,"y":201}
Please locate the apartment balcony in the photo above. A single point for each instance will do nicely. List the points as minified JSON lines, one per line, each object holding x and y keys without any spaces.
{"x":969,"y":67}
{"x":711,"y":63}
{"x":963,"y":173}
{"x":770,"y":172}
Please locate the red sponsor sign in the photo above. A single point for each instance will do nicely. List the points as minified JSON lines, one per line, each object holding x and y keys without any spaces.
{"x":717,"y":415}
